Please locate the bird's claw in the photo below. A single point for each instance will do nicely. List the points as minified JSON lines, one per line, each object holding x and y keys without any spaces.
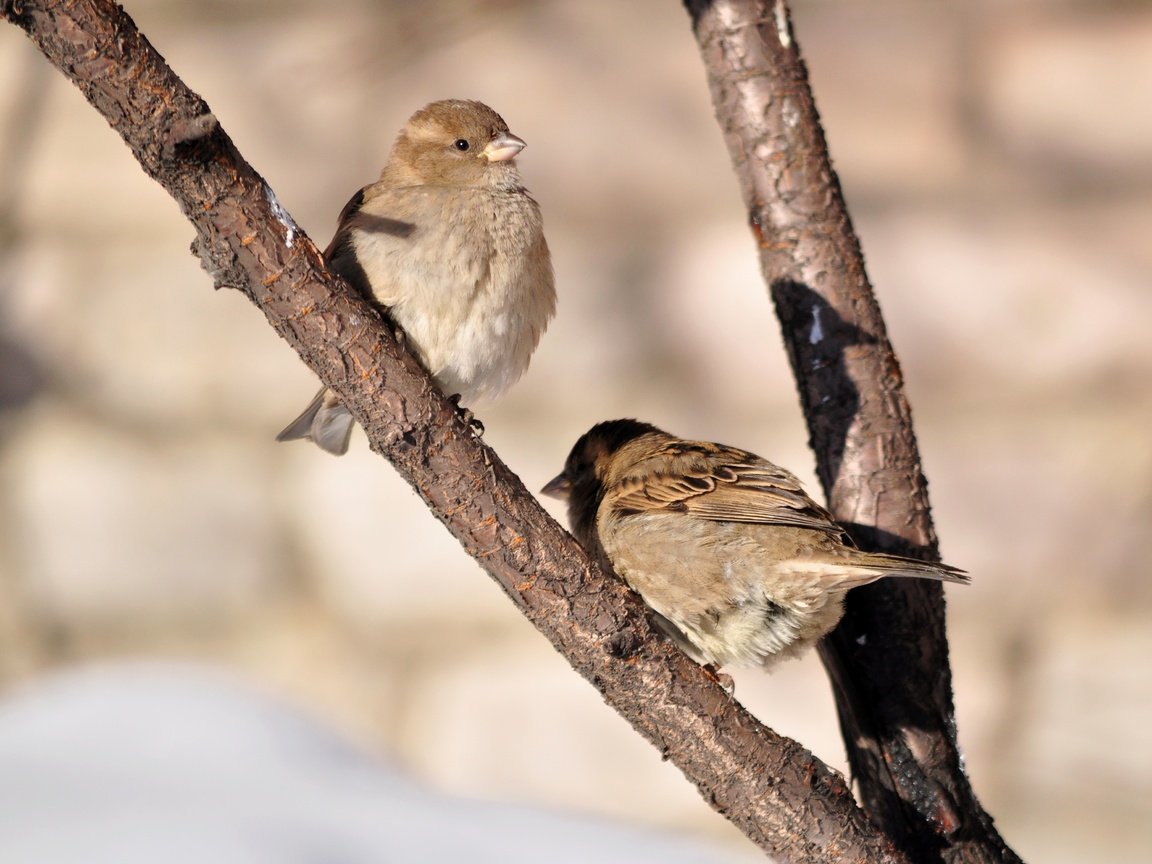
{"x":401,"y":336}
{"x":469,"y":419}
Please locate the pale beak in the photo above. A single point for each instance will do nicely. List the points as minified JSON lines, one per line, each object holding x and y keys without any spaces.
{"x":558,"y":487}
{"x":503,"y":148}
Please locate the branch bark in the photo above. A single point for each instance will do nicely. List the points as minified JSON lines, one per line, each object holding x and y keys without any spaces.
{"x":901,"y":740}
{"x":784,"y":799}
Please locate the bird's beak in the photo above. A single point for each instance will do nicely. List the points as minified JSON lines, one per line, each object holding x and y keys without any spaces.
{"x":558,"y":487}
{"x":503,"y":148}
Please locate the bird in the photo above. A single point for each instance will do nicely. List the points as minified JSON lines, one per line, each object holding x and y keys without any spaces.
{"x":451,"y":245}
{"x":739,"y":565}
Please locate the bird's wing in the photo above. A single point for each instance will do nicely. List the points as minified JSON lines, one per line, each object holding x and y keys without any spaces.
{"x":342,"y":235}
{"x":720,"y":484}
{"x":341,"y":254}
{"x":374,"y":210}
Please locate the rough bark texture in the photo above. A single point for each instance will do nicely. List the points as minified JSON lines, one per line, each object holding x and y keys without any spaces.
{"x":888,"y":659}
{"x":784,"y":799}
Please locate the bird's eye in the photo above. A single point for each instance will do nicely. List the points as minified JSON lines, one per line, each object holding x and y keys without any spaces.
{"x":461,"y":144}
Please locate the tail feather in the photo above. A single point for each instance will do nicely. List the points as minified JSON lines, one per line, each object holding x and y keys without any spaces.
{"x":325,"y":422}
{"x":865,"y":567}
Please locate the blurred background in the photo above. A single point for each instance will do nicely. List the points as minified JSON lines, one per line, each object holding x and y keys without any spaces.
{"x":997,"y":161}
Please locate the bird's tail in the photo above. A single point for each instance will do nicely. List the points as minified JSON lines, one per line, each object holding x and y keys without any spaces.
{"x":865,"y":567}
{"x":325,"y":422}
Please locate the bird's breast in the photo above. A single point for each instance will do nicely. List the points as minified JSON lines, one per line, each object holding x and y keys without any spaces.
{"x":471,"y":284}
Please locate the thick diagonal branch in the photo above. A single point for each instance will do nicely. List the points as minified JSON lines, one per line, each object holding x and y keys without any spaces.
{"x":889,"y":658}
{"x":784,"y":799}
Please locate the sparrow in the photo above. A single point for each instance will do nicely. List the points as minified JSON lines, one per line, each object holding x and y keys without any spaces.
{"x":451,"y":244}
{"x":739,"y":565}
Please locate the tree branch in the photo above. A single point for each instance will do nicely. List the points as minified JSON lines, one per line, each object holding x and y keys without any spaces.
{"x":901,"y":739}
{"x":778,"y":794}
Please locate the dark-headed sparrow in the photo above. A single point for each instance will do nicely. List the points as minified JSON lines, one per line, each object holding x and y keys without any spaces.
{"x":741,"y":567}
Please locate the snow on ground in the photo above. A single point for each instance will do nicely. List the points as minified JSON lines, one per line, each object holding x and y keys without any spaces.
{"x":157,"y":762}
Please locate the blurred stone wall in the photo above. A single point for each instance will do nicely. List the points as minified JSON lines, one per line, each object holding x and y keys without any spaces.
{"x":997,"y":159}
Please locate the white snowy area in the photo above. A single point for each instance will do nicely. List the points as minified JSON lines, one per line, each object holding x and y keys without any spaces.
{"x":145,"y":763}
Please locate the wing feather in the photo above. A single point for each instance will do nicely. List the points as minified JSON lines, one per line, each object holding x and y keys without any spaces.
{"x":719,"y":484}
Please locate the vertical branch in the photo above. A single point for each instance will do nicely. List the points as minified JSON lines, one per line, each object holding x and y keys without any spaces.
{"x":888,"y":660}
